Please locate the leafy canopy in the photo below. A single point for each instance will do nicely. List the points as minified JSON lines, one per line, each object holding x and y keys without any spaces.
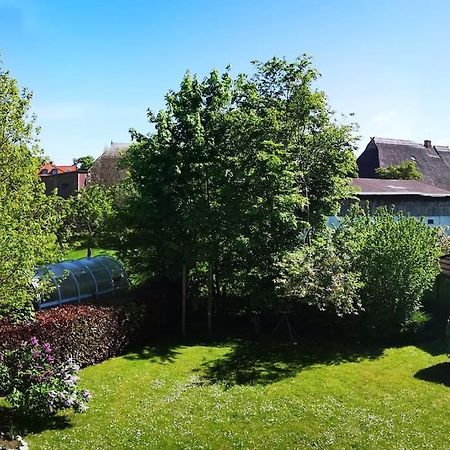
{"x":84,"y":162}
{"x":236,"y":169}
{"x":27,"y":221}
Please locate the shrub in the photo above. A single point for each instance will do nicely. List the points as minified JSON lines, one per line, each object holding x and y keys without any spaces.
{"x":377,"y":265}
{"x":38,"y":386}
{"x":399,"y":262}
{"x":87,"y":334}
{"x":322,"y":275}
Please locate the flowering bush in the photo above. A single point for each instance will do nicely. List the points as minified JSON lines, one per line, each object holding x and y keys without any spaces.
{"x":36,"y":385}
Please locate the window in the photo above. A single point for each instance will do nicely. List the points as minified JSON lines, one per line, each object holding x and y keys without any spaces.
{"x":54,"y":171}
{"x":44,"y":172}
{"x":430,"y":221}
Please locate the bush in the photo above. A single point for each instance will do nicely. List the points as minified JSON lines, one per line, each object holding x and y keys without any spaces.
{"x":36,"y":385}
{"x":377,"y":266}
{"x":322,"y":275}
{"x":87,"y":334}
{"x":398,"y":261}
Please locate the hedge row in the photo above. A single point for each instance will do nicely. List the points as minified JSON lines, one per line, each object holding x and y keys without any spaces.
{"x":88,"y":334}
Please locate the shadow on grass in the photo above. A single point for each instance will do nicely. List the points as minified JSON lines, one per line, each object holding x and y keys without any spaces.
{"x":440,"y":374}
{"x":14,"y":424}
{"x":160,"y":353}
{"x":250,"y":363}
{"x":436,"y":347}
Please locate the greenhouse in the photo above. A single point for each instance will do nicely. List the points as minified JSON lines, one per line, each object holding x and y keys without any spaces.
{"x":82,"y":279}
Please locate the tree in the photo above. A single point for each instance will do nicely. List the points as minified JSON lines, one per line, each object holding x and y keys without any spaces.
{"x":234,"y":172}
{"x":84,"y":162}
{"x":27,"y":220}
{"x":406,"y":170}
{"x":86,"y":214}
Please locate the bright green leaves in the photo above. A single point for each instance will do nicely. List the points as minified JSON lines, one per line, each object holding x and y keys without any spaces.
{"x":235,"y":167}
{"x":28,"y":222}
{"x":406,"y":170}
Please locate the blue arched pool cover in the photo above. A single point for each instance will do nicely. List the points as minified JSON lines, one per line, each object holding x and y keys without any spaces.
{"x":82,"y":279}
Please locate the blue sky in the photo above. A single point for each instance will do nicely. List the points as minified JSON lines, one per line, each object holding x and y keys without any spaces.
{"x":96,"y":66}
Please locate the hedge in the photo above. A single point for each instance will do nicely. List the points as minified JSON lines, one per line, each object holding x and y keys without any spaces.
{"x":88,"y":334}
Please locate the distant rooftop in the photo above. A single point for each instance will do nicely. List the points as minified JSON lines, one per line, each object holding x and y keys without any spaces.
{"x":116,"y":147}
{"x":53,"y":169}
{"x":375,"y":186}
{"x":433,"y":161}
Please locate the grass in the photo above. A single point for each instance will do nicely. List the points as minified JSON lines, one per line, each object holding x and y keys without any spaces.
{"x":249,"y":395}
{"x":81,"y":252}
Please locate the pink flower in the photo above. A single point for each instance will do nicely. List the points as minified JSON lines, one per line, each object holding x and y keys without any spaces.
{"x":47,"y":348}
{"x":34,"y":340}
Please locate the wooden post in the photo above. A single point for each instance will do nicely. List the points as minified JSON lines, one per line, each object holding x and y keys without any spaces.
{"x":183,"y":300}
{"x":210,"y":294}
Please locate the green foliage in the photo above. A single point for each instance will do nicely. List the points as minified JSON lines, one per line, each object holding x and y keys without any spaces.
{"x":322,"y":274}
{"x":85,"y":215}
{"x":84,"y":162}
{"x":398,"y":262}
{"x":27,"y":221}
{"x":375,"y":265}
{"x":406,"y":170}
{"x":235,"y":170}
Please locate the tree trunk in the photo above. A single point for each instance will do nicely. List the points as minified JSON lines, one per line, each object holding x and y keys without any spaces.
{"x":210,"y":295}
{"x":183,"y":301}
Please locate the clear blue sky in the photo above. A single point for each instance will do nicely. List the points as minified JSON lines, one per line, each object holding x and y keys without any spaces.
{"x":95,"y":66}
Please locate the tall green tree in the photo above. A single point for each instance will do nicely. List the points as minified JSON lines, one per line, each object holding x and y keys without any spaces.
{"x":27,"y":220}
{"x":84,"y":162}
{"x":236,"y":169}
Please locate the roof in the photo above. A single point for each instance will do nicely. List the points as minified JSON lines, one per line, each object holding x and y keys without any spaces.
{"x":116,"y":148}
{"x":375,"y":186}
{"x":60,"y":169}
{"x":433,"y":162}
{"x":106,"y":170}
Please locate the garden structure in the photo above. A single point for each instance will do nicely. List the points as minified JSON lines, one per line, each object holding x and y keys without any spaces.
{"x":82,"y":279}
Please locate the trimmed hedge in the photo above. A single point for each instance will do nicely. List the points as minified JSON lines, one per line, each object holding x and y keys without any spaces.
{"x":88,"y":334}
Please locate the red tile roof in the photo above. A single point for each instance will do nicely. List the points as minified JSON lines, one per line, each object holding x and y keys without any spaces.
{"x":60,"y":169}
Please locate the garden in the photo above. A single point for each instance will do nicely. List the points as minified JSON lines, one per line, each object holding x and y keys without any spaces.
{"x":249,"y":323}
{"x":246,"y":394}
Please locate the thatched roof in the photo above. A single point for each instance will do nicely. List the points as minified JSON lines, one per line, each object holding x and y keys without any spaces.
{"x":433,"y":161}
{"x":105,"y":170}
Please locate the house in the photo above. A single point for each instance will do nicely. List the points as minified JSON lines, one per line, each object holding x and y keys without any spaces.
{"x":418,"y":199}
{"x":65,"y":179}
{"x":106,"y":170}
{"x":433,"y":161}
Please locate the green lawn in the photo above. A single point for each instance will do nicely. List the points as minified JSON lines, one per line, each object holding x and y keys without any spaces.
{"x":81,"y":252}
{"x":246,"y":395}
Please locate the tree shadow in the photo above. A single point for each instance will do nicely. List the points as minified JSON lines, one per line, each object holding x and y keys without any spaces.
{"x":436,"y":347}
{"x":251,"y":363}
{"x":161,"y":353}
{"x":439,"y":373}
{"x":12,"y":423}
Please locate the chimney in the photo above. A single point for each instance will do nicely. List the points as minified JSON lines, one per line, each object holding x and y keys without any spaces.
{"x":427,"y":143}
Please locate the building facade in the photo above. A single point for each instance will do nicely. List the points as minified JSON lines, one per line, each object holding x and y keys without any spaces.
{"x":66,"y":180}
